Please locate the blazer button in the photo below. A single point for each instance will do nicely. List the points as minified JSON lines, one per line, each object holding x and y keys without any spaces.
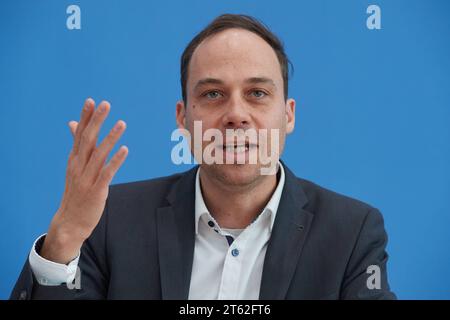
{"x":23,"y":295}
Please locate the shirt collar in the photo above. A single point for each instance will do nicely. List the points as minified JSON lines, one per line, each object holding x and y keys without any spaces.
{"x":271,"y":206}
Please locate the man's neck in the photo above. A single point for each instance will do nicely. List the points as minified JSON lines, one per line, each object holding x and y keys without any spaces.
{"x":236,"y":208}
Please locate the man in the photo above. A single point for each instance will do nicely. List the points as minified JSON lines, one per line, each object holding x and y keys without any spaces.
{"x":218,"y":231}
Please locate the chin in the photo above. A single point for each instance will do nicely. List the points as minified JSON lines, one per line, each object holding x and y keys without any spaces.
{"x":236,"y":174}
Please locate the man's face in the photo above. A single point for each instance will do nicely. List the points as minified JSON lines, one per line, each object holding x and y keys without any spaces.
{"x":235,"y":82}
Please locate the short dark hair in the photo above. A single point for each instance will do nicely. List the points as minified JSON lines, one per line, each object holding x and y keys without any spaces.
{"x":239,"y":21}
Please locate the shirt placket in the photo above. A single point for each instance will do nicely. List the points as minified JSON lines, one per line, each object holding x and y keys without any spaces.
{"x":233,"y":267}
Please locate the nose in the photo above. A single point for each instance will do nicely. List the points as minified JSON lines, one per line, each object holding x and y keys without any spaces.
{"x":237,"y":115}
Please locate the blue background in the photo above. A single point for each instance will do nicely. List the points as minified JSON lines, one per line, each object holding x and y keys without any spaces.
{"x":372,"y":118}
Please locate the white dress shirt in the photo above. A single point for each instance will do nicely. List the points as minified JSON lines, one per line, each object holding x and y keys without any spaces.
{"x":228,"y":263}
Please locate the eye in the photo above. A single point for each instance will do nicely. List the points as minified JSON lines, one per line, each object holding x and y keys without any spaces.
{"x":214,"y":94}
{"x":258,"y":94}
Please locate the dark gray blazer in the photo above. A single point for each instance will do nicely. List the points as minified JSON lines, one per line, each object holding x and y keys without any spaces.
{"x":321,"y":246}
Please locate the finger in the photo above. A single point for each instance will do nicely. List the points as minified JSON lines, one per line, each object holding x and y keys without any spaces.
{"x":73,"y":127}
{"x":108,"y":172}
{"x":90,"y":133}
{"x":86,"y":115}
{"x":100,"y":154}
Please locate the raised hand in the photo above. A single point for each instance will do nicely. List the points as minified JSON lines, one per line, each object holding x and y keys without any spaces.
{"x":87,"y":181}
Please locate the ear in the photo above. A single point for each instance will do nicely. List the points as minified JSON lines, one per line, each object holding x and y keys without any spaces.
{"x":290,"y":115}
{"x":181,"y":115}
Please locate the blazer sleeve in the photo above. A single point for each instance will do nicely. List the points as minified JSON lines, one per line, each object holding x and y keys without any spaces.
{"x":92,"y":277}
{"x":366,"y":272}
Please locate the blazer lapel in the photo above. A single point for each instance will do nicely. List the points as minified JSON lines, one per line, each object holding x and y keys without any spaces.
{"x":176,"y":238}
{"x":288,"y":236}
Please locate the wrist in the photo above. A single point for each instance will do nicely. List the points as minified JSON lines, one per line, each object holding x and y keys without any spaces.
{"x":61,"y":244}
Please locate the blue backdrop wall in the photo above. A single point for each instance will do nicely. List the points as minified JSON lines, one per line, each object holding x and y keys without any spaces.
{"x":373,"y":115}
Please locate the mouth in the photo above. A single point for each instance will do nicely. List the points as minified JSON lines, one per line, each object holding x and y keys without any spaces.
{"x":238,"y":147}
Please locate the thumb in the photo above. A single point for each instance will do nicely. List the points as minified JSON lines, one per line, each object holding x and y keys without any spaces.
{"x":73,"y":127}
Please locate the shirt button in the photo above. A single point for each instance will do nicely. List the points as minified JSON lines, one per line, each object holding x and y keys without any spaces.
{"x":235,"y":252}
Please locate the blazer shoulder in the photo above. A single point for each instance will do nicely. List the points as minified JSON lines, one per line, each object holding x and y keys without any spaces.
{"x":149,"y":188}
{"x":322,"y":200}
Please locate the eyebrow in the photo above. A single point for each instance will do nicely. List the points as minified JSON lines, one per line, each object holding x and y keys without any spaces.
{"x":252,"y":80}
{"x":256,"y":80}
{"x":206,"y":81}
